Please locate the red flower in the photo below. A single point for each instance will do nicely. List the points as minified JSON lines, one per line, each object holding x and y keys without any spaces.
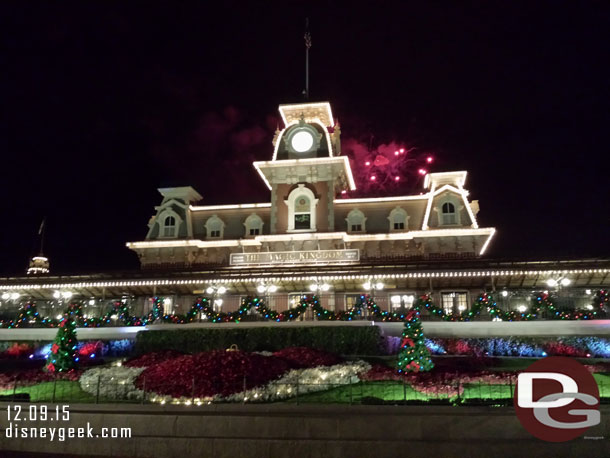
{"x":214,"y":372}
{"x":54,"y":348}
{"x":304,"y":357}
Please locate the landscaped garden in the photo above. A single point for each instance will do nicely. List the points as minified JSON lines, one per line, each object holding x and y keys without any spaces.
{"x":353,"y":364}
{"x":462,"y":372}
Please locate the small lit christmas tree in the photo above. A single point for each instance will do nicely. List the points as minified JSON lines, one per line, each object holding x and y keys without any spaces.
{"x":64,"y":356}
{"x":28,"y":315}
{"x":413,"y":356}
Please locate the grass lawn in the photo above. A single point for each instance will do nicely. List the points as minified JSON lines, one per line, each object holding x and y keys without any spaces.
{"x":387,"y":390}
{"x":65,"y":391}
{"x":396,"y":391}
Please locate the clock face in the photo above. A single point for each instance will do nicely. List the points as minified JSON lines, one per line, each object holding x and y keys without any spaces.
{"x":302,"y":141}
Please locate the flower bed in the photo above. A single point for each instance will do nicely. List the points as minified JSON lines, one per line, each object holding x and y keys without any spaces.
{"x":115,"y":382}
{"x":150,"y":359}
{"x":211,"y":373}
{"x":32,"y":377}
{"x":440,"y":382}
{"x":303,"y":357}
{"x":229,"y":376}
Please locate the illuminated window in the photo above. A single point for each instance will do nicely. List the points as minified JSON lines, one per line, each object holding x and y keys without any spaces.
{"x":351,"y":300}
{"x":302,"y":213}
{"x":447,"y":302}
{"x":169,"y":226}
{"x":448,"y":214}
{"x":167,"y":306}
{"x":402,"y":300}
{"x":454,"y":301}
{"x":301,"y":204}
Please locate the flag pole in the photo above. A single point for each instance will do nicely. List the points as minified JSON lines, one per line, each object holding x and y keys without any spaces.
{"x":307,"y":46}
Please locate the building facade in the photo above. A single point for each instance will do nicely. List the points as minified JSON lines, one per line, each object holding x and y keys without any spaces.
{"x":306,"y":220}
{"x":309,"y":238}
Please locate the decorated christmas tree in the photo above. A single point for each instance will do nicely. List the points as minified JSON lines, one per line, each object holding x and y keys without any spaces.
{"x":28,"y":315}
{"x":413,"y":356}
{"x":63,"y":356}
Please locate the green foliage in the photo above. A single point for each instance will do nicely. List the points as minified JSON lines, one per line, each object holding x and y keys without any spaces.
{"x":413,"y":356}
{"x":344,"y":340}
{"x":64,"y":350}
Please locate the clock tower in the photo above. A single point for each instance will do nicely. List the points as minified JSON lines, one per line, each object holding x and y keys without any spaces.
{"x":306,"y":171}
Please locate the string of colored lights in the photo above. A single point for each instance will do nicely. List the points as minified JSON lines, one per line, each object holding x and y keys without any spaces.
{"x":542,"y":306}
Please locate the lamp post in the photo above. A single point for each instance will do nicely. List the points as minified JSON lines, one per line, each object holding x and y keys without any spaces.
{"x":266,"y":290}
{"x":371,"y":286}
{"x":559,"y":283}
{"x":316,"y":286}
{"x":216,"y":291}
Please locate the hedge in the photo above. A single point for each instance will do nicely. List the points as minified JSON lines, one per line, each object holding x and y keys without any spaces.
{"x":343,"y":340}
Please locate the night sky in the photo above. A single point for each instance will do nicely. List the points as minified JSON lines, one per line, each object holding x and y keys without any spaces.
{"x":104,"y":102}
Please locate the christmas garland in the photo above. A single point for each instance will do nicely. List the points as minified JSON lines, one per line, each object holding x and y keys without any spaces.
{"x":542,"y":304}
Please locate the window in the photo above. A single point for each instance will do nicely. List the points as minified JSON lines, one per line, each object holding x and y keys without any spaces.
{"x":214,"y":227}
{"x":454,"y":300}
{"x":169,"y":226}
{"x":167,"y":306}
{"x":402,"y":300}
{"x":351,"y":300}
{"x":448,"y":214}
{"x":399,"y":220}
{"x":447,"y":302}
{"x":301,"y":204}
{"x":253,"y":225}
{"x":356,"y":221}
{"x":302,"y":215}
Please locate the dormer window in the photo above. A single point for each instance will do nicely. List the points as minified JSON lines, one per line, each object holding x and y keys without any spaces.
{"x":356,"y":221}
{"x":214,"y":227}
{"x":301,"y":204}
{"x":399,"y":220}
{"x":253,"y":225}
{"x":169,"y":226}
{"x":448,"y":214}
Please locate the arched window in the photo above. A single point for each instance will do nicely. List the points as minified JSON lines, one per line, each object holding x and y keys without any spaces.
{"x":448,"y":214}
{"x":169,"y":226}
{"x":214,"y":227}
{"x":301,"y":209}
{"x":399,"y":220}
{"x":356,"y":221}
{"x":302,"y":213}
{"x":254,"y":225}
